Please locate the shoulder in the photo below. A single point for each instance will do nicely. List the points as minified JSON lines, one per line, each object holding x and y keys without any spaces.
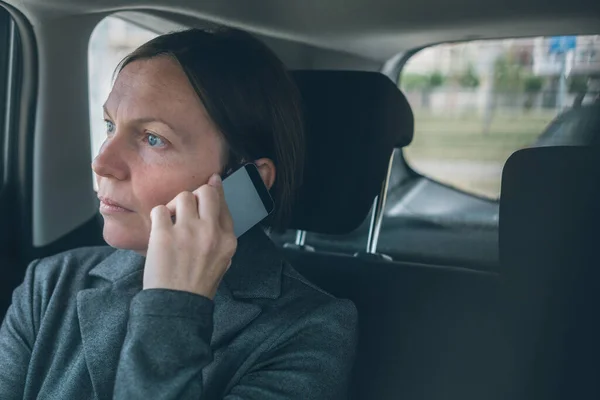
{"x":319,"y":333}
{"x":293,"y":282}
{"x":72,"y":262}
{"x":81,"y":256}
{"x":318,"y":306}
{"x":67,"y":270}
{"x":296,"y":283}
{"x":57,"y":277}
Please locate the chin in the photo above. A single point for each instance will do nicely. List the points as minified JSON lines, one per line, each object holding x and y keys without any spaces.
{"x":123,"y":237}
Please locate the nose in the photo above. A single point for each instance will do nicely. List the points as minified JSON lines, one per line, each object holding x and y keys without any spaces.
{"x":111,"y":160}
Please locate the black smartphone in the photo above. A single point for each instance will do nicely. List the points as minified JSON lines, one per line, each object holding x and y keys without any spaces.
{"x":247,"y":197}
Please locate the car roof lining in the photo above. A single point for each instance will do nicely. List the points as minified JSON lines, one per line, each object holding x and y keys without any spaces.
{"x":372,"y":29}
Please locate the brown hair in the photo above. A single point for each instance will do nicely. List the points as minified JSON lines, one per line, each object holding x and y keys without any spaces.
{"x":250,"y":98}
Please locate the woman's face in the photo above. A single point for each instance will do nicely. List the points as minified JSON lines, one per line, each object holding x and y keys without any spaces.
{"x":159,"y":142}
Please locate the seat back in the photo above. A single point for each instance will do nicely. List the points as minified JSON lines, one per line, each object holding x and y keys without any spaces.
{"x":549,"y":224}
{"x":424,"y":332}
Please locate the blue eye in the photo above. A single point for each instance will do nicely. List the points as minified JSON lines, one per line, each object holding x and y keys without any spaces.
{"x":110,"y":127}
{"x":154,"y":141}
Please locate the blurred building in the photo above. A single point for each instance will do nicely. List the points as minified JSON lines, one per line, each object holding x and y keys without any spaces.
{"x":536,"y":59}
{"x":583,"y":60}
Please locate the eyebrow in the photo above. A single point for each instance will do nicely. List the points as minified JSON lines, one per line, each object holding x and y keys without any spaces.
{"x":144,"y":120}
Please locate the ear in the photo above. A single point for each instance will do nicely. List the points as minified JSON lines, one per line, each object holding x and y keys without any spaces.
{"x":266,"y":168}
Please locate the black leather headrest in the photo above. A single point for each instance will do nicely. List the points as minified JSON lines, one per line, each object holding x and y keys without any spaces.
{"x":550,"y":196}
{"x":353,"y":122}
{"x":550,"y":256}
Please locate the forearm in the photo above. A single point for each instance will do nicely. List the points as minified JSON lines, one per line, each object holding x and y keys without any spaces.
{"x":166,"y":347}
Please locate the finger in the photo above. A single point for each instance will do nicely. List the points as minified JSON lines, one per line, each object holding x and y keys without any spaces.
{"x":216,"y":182}
{"x":180,"y":206}
{"x":186,"y":207}
{"x":160,"y":217}
{"x":172,"y":206}
{"x":224,"y":214}
{"x":209,"y":204}
{"x":225,"y":218}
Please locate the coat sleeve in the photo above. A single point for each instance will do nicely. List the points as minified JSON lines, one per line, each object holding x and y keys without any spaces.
{"x":165,"y":351}
{"x":17,"y":337}
{"x":166,"y":347}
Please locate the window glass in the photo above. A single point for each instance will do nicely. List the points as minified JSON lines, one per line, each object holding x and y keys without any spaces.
{"x":111,"y":41}
{"x":476,"y":103}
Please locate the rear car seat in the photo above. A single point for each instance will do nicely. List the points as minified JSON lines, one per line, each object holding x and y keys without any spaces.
{"x":549,"y":224}
{"x":426,"y":332}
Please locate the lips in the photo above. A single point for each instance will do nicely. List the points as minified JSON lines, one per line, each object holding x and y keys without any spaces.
{"x":109,"y":205}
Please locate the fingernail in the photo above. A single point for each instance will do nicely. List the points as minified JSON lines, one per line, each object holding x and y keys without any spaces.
{"x":215,"y":180}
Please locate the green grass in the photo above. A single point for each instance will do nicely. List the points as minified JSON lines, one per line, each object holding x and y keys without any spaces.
{"x":444,"y":139}
{"x":451,"y":138}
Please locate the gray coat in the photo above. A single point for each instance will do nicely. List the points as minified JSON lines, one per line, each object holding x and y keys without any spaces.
{"x":80,"y":327}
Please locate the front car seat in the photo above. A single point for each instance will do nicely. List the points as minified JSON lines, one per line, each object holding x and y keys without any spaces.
{"x":549,"y":243}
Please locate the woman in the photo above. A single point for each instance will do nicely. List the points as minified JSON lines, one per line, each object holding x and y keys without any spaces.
{"x":168,"y":311}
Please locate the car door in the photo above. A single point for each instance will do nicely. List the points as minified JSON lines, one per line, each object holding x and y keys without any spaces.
{"x":10,"y":224}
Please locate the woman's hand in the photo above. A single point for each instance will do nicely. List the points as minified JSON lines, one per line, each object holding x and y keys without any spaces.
{"x":193,"y":253}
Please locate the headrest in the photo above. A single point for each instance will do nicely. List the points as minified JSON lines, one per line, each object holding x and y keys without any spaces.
{"x":549,"y":204}
{"x":353,"y":122}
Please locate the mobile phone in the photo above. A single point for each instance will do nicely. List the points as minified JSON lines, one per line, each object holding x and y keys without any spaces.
{"x":247,"y":197}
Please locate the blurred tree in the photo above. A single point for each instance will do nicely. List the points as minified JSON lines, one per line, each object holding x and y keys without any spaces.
{"x":436,"y":79}
{"x":423,"y":83}
{"x":469,"y":78}
{"x":507,"y":84}
{"x":532,"y":84}
{"x":508,"y":74}
{"x":414,"y":82}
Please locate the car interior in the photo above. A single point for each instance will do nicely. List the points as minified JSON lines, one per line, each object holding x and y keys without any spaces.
{"x":459,"y":295}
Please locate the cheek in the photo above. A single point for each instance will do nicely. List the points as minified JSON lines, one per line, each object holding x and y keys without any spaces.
{"x":157,"y":179}
{"x":156,"y":186}
{"x":152,"y":188}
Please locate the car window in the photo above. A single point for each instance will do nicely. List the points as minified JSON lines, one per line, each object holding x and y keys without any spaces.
{"x":112,"y":39}
{"x":476,"y":103}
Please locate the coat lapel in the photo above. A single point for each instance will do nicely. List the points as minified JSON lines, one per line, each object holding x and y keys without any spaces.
{"x":103,"y":310}
{"x":103,"y":314}
{"x":255,"y":273}
{"x":230,"y":316}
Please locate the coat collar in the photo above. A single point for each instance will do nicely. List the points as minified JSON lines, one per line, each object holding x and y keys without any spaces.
{"x":255,"y":271}
{"x":103,"y":309}
{"x":256,"y":268}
